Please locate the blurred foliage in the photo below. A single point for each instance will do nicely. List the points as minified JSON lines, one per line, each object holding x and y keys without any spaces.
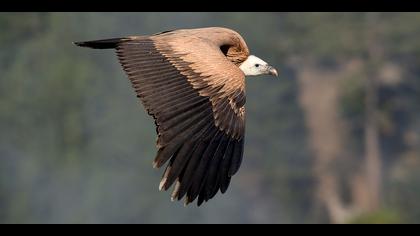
{"x":379,"y":217}
{"x":76,"y":146}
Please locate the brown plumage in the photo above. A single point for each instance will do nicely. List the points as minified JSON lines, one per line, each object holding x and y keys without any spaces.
{"x":191,"y":83}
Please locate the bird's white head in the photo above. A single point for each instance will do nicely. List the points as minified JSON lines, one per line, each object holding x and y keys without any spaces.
{"x":255,"y":66}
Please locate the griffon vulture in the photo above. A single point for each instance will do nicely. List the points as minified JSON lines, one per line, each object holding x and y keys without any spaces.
{"x":192,"y":81}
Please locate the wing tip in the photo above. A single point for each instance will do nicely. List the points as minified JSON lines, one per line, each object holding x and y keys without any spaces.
{"x":187,"y":201}
{"x":155,"y":165}
{"x":100,"y":44}
{"x":162,"y":184}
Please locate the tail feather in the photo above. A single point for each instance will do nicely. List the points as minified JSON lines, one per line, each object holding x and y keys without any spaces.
{"x":100,"y":44}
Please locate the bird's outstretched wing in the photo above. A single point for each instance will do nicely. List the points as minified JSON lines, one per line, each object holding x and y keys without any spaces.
{"x":196,"y":94}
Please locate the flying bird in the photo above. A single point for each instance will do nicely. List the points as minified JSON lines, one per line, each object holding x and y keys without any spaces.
{"x":192,"y":82}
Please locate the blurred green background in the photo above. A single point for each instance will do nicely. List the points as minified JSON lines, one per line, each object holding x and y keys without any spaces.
{"x":334,"y":139}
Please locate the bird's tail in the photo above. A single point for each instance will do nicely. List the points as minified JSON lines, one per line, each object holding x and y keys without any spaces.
{"x":100,"y":44}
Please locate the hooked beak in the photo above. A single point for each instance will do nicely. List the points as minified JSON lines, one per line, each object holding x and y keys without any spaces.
{"x":272,"y":71}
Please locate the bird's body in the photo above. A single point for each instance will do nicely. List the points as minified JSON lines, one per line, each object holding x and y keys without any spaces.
{"x":192,"y":82}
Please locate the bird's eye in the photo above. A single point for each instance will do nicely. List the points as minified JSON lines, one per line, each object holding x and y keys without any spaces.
{"x":257,"y":65}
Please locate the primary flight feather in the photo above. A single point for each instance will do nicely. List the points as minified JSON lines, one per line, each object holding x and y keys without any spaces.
{"x":192,"y":81}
